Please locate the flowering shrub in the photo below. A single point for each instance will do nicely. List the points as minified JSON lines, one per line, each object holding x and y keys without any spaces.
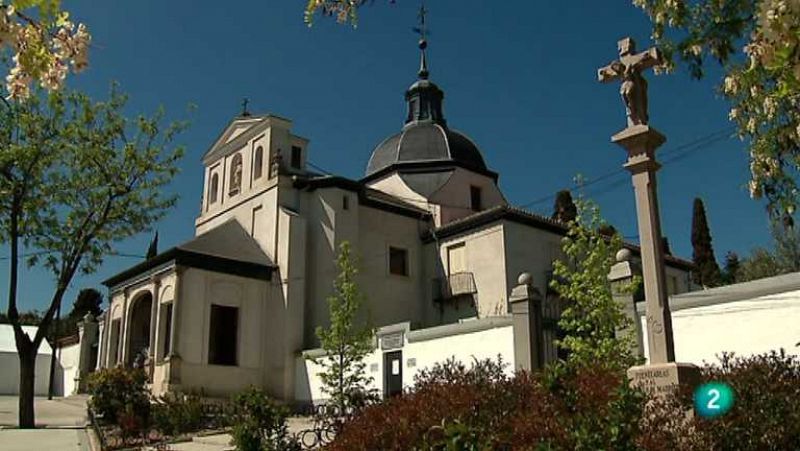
{"x":45,"y":45}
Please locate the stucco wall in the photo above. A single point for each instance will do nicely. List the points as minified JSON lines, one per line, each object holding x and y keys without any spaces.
{"x":9,"y":374}
{"x":199,"y":290}
{"x":745,"y":327}
{"x":67,"y":370}
{"x":390,"y":298}
{"x":454,"y":196}
{"x":495,"y":338}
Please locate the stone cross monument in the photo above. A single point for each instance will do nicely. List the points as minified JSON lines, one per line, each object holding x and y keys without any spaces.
{"x":641,"y":141}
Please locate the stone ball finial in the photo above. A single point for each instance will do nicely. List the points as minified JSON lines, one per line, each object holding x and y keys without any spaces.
{"x":525,"y":279}
{"x":624,"y":255}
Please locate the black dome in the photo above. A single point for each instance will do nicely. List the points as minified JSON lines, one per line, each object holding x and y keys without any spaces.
{"x":426,"y":141}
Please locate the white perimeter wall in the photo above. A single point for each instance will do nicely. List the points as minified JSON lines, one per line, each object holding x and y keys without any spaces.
{"x":746,"y":327}
{"x":495,"y":338}
{"x":9,"y":374}
{"x":67,"y":370}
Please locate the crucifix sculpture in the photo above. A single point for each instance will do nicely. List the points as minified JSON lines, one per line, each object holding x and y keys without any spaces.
{"x":628,"y":68}
{"x":661,"y":374}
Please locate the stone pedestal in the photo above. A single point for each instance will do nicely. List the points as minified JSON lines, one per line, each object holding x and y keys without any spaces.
{"x":664,"y":378}
{"x":526,"y":311}
{"x":620,"y":277}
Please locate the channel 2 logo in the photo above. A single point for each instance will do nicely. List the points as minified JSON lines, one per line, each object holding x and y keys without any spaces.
{"x":713,"y":399}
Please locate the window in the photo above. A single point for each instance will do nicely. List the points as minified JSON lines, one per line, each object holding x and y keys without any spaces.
{"x":167,"y":315}
{"x":456,"y":259}
{"x":236,"y":175}
{"x":345,"y":202}
{"x":258,"y":162}
{"x":398,"y":261}
{"x":297,"y":157}
{"x":213,"y":189}
{"x":475,"y":198}
{"x":223,"y":335}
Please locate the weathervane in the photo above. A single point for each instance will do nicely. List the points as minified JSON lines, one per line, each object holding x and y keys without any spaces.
{"x":422,"y":31}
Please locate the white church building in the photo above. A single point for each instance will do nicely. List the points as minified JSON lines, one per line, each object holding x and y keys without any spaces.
{"x":440,"y":251}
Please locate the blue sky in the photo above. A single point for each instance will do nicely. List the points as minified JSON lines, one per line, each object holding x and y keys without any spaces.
{"x":519,"y":78}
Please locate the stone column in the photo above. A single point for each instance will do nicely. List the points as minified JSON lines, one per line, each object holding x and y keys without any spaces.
{"x":88,"y":335}
{"x":150,"y":364}
{"x":661,"y":374}
{"x":526,"y":311}
{"x":101,"y":341}
{"x":174,"y":368}
{"x":122,"y":345}
{"x":620,"y":277}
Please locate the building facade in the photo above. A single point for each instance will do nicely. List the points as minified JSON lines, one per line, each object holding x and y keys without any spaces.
{"x":439,"y":246}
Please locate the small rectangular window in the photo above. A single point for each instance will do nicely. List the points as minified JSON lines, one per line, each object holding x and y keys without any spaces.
{"x":398,"y":261}
{"x":345,"y":202}
{"x":297,"y":155}
{"x":223,"y":334}
{"x":475,"y":198}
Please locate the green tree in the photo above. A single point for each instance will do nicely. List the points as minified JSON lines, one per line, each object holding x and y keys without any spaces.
{"x":706,"y":268}
{"x":757,"y":42}
{"x":783,"y":258}
{"x":346,"y":341}
{"x":591,"y":317}
{"x":564,"y":209}
{"x":733,"y":267}
{"x":76,"y":176}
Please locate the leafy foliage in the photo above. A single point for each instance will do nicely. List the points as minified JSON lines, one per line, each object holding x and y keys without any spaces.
{"x":120,"y":391}
{"x":453,"y":407}
{"x":564,"y":209}
{"x":707,"y":272}
{"x":345,"y":341}
{"x":76,"y":176}
{"x":592,"y":317}
{"x":259,"y":424}
{"x":758,"y":44}
{"x":732,"y":270}
{"x":44,"y":43}
{"x":176,"y":413}
{"x":764,"y":415}
{"x":782,"y":258}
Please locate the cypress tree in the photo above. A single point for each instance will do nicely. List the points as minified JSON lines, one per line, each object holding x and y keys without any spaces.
{"x":707,"y":271}
{"x":564,"y":209}
{"x":152,"y":250}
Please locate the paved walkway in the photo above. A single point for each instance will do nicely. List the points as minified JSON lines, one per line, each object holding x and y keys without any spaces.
{"x":60,"y":412}
{"x":44,"y":439}
{"x":60,"y":421}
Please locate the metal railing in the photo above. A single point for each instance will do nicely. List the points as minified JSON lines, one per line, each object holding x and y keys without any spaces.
{"x":453,"y":286}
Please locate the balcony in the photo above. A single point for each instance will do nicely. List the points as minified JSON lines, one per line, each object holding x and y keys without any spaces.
{"x":454,"y":286}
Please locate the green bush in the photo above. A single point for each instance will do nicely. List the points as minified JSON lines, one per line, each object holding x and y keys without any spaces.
{"x":118,"y":391}
{"x":177,"y":413}
{"x":259,"y":424}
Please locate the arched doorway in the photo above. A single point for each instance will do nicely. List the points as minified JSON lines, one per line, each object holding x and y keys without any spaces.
{"x":139,"y":329}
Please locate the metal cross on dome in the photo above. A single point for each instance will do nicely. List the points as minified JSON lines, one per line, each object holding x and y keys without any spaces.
{"x":422,"y":29}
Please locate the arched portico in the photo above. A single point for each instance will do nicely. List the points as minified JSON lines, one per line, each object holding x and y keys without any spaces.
{"x":139,"y":329}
